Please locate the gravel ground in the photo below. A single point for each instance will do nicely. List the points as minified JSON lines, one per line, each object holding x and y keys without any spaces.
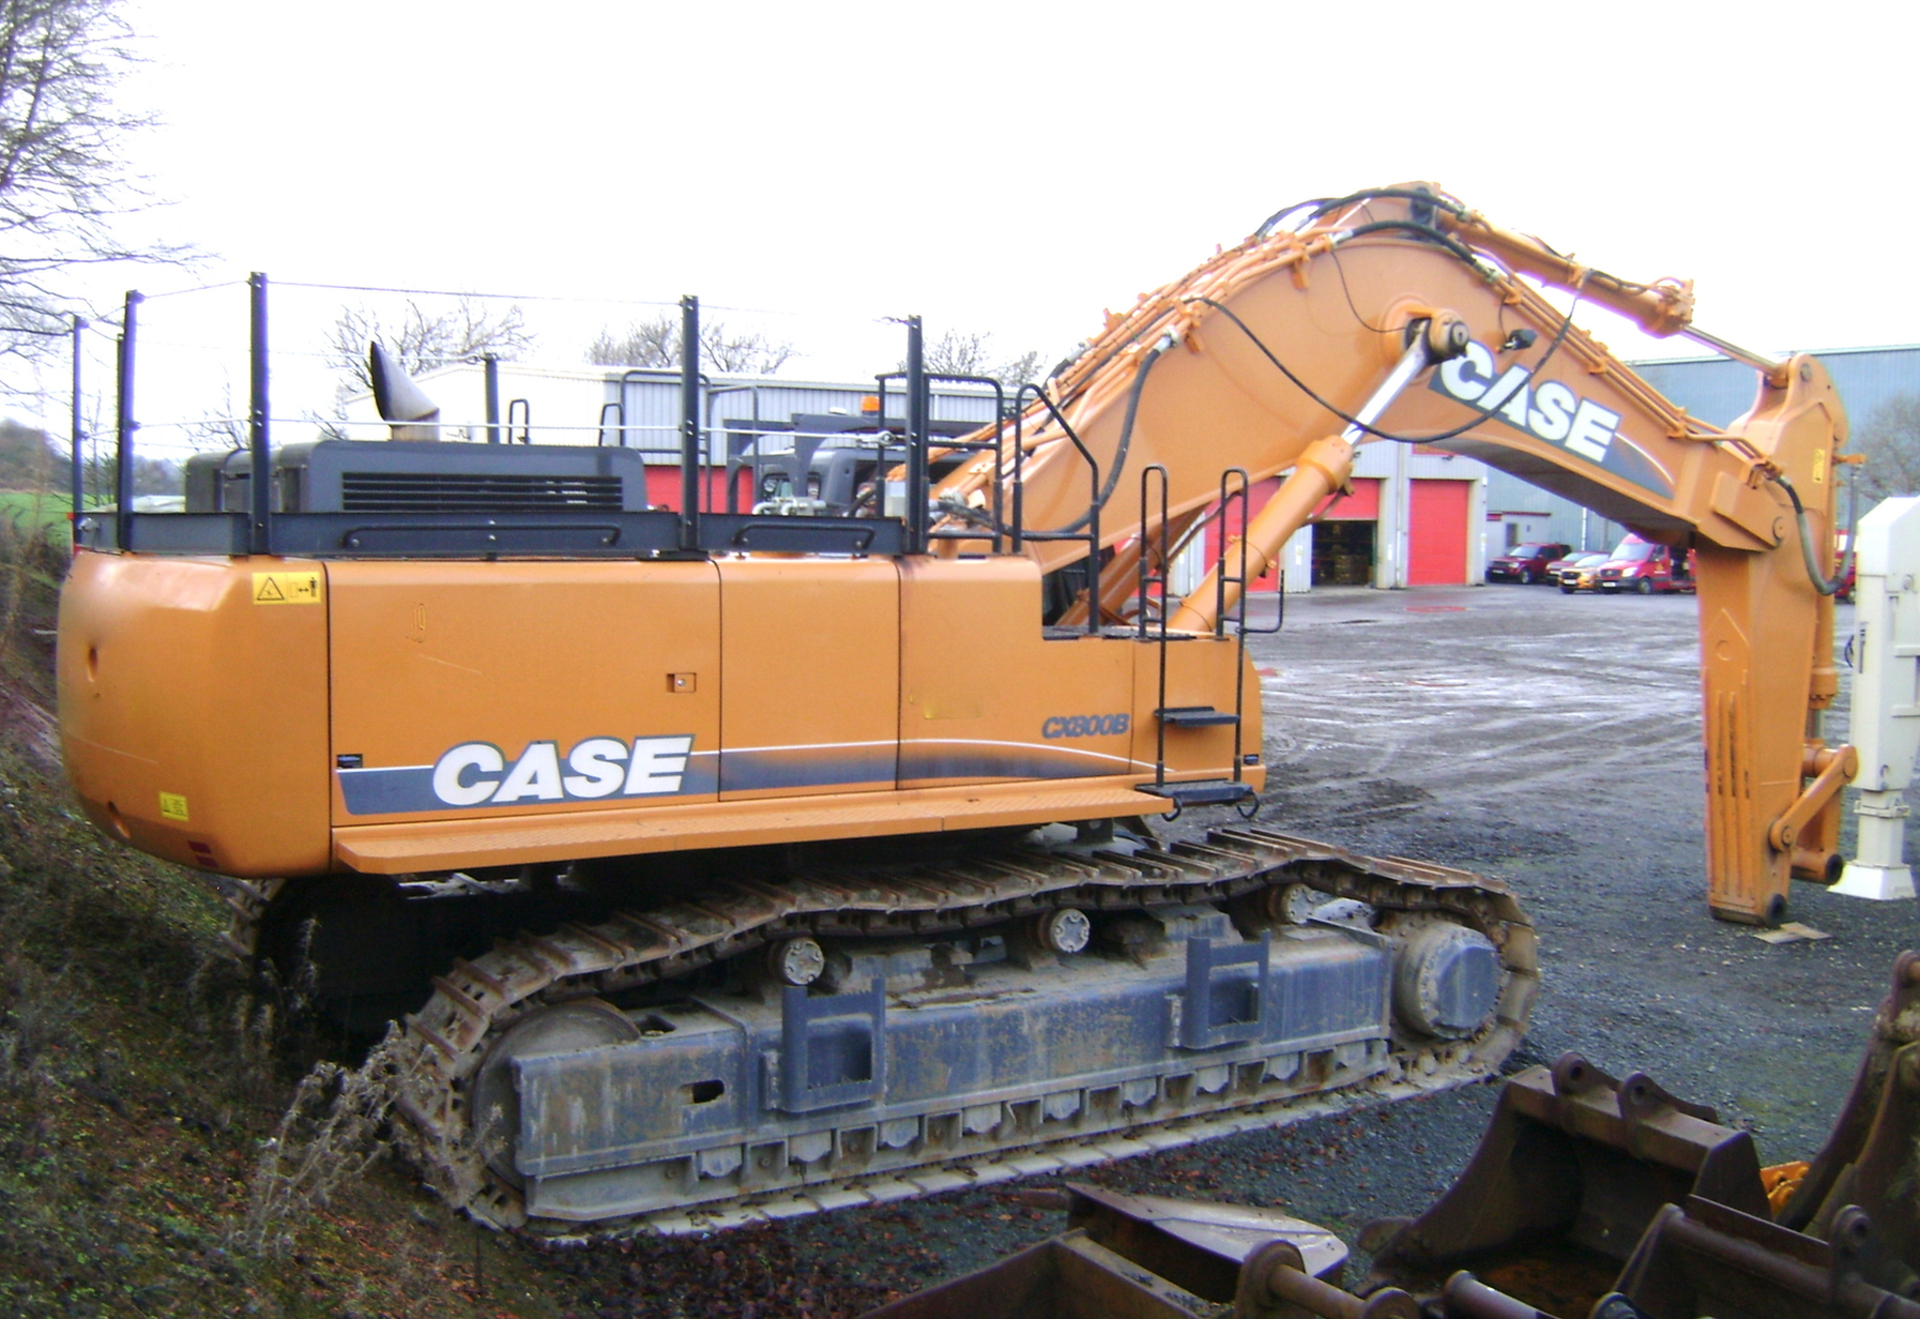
{"x":1548,"y":740}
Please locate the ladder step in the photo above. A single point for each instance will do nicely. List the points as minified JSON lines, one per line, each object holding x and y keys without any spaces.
{"x":1196,"y":716}
{"x":1207,"y":793}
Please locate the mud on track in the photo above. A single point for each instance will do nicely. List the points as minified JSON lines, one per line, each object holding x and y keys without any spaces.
{"x":1548,"y":740}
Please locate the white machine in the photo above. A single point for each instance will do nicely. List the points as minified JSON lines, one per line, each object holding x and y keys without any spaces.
{"x":1886,"y":696}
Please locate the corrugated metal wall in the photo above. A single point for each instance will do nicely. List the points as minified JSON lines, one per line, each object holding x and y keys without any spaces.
{"x":652,"y":404}
{"x":1717,"y":390}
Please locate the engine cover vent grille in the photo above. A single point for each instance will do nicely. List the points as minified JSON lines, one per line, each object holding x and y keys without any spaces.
{"x":461,"y":492}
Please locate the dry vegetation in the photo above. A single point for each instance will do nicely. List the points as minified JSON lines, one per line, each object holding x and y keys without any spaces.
{"x":159,"y":1153}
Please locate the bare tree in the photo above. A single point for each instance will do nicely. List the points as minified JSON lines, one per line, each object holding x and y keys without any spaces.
{"x":422,"y":340}
{"x":63,"y":183}
{"x":653,"y":342}
{"x":1890,"y":442}
{"x":656,"y":343}
{"x":1017,"y":371}
{"x":223,"y":427}
{"x":969,"y":353}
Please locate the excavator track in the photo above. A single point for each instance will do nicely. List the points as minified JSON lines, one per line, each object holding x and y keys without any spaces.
{"x":247,"y":905}
{"x":440,"y":1053}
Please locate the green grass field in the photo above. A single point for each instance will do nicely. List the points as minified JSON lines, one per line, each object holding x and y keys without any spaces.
{"x":33,"y":511}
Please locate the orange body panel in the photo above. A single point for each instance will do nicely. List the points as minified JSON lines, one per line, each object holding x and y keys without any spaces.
{"x":812,"y":678}
{"x":429,"y":657}
{"x":425,"y":715}
{"x":193,"y":720}
{"x":389,"y":849}
{"x":1200,"y":672}
{"x":980,"y":682}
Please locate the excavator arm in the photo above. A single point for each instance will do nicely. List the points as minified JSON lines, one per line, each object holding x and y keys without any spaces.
{"x":1400,"y":316}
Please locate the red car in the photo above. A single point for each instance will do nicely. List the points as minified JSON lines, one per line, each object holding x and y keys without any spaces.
{"x":1525,"y":564}
{"x":1644,"y":567}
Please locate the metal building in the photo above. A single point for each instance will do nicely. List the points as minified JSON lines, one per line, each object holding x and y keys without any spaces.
{"x":1715,"y":389}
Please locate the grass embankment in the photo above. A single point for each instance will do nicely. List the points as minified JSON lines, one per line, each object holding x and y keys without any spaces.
{"x":142,"y":1080}
{"x":148,"y":1163}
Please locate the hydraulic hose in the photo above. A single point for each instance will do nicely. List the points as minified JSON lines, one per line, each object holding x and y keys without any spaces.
{"x":1820,"y":582}
{"x":1112,"y":483}
{"x":1160,"y":346}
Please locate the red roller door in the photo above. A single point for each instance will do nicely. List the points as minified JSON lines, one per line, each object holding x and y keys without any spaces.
{"x":1438,"y":533}
{"x":1363,"y":505}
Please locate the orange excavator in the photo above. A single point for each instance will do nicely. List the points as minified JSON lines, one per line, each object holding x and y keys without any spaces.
{"x":728,"y":865}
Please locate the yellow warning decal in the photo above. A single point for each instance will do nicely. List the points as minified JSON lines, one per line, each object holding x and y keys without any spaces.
{"x":173,"y":806}
{"x":1819,"y":466}
{"x":286,"y":588}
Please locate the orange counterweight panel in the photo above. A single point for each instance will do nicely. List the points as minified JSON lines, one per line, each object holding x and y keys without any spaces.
{"x":480,"y":690}
{"x":193,"y":707}
{"x":811,"y":666}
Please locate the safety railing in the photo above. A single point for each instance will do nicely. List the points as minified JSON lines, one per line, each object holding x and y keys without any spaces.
{"x":1151,"y":607}
{"x":636,"y":528}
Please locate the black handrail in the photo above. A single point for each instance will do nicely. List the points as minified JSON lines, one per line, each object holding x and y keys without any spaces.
{"x":919,"y":474}
{"x":619,"y":411}
{"x":260,"y":482}
{"x":734,"y":466}
{"x":1092,"y":536}
{"x":1229,"y":496}
{"x":691,"y":463}
{"x":959,"y":446}
{"x":1148,"y":579}
{"x":124,"y":424}
{"x":76,"y":431}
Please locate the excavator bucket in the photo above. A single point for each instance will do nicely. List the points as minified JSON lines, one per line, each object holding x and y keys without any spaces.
{"x":1869,"y":1159}
{"x":1702,"y":1258}
{"x":1147,"y":1257}
{"x":1573,"y":1166}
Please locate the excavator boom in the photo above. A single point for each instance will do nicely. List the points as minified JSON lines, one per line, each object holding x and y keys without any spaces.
{"x":1286,"y":352}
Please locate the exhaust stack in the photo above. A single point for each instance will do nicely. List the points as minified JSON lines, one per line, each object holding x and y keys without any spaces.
{"x":399,"y":399}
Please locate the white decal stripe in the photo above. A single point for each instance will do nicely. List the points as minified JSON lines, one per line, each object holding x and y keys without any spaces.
{"x":798,"y":746}
{"x":1050,"y":748}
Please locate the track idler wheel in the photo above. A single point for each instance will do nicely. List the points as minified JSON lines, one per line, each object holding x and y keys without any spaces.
{"x":494,"y":1100}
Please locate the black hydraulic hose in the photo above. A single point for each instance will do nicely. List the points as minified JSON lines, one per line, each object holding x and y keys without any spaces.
{"x":1422,"y":196}
{"x":1418,"y":230}
{"x":1166,"y":341}
{"x":1326,"y":205}
{"x":976,"y":517}
{"x":1821,"y":583}
{"x":1319,"y":205}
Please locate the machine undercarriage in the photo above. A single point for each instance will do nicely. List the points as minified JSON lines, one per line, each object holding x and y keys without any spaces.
{"x":831,"y":1034}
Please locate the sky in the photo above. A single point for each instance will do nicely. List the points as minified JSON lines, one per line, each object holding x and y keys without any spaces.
{"x":1008,"y":168}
